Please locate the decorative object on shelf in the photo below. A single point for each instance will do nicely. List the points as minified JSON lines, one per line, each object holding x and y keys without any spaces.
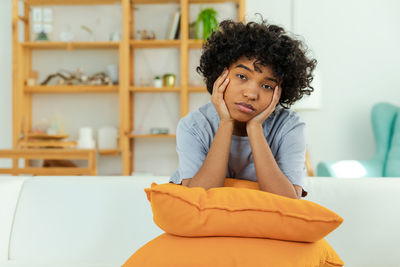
{"x":42,"y":36}
{"x":86,"y":140}
{"x":42,"y":23}
{"x":66,"y":36}
{"x":115,"y":37}
{"x":157,"y":82}
{"x":145,"y":35}
{"x":207,"y":19}
{"x":79,"y":78}
{"x":107,"y":138}
{"x":169,"y":80}
{"x":47,"y":144}
{"x":144,"y":81}
{"x":52,"y":163}
{"x":139,"y":130}
{"x":44,"y":136}
{"x":44,"y":140}
{"x":89,"y":32}
{"x":192,"y":30}
{"x":174,"y":26}
{"x":41,"y":127}
{"x":159,"y":130}
{"x":32,"y":78}
{"x":100,"y":78}
{"x":46,"y":127}
{"x":113,"y":73}
{"x":53,"y":129}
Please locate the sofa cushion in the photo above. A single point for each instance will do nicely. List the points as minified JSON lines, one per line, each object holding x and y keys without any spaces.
{"x":392,"y":167}
{"x":243,"y":212}
{"x":81,"y":220}
{"x":171,"y":251}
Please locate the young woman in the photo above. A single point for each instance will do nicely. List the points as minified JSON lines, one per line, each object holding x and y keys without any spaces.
{"x":254,"y":73}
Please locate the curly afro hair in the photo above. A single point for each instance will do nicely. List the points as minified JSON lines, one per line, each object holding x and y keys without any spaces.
{"x":270,"y":46}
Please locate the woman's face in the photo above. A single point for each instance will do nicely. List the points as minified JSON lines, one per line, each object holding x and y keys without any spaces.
{"x":250,"y":89}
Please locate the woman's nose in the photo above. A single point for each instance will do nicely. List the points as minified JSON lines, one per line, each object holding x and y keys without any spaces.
{"x":251,"y":92}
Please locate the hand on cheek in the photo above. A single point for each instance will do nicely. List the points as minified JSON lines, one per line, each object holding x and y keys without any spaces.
{"x":262,"y":116}
{"x":217,"y":97}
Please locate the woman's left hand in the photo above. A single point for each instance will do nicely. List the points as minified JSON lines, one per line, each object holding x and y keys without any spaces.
{"x":261,"y":117}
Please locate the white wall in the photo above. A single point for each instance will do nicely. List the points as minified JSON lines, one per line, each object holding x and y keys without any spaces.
{"x":5,"y":76}
{"x":355,"y":43}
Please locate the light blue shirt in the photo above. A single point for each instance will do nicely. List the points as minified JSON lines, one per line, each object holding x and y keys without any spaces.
{"x":283,"y":130}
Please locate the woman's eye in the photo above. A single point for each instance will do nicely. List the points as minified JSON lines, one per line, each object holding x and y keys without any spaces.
{"x":266,"y":86}
{"x":241,"y":76}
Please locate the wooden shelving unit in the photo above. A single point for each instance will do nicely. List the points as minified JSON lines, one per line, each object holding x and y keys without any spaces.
{"x":152,"y":136}
{"x":138,"y":89}
{"x":109,"y":152}
{"x":155,"y":43}
{"x":71,"y":89}
{"x":126,"y":90}
{"x":71,"y":45}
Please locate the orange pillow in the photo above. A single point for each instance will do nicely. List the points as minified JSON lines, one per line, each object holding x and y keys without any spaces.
{"x":175,"y":251}
{"x":243,"y":212}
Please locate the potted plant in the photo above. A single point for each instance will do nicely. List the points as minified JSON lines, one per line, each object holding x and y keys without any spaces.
{"x":208,"y":19}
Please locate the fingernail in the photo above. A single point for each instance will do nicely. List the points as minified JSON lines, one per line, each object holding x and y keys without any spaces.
{"x":227,"y":80}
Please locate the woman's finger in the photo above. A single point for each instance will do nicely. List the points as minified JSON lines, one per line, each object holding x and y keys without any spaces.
{"x":220,"y":79}
{"x":222,"y":87}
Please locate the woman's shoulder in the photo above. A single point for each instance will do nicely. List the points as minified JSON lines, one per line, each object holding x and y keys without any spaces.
{"x":203,"y":118}
{"x":283,"y":120}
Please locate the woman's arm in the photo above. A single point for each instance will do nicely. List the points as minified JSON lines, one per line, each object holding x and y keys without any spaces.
{"x":213,"y":171}
{"x":269,"y":175}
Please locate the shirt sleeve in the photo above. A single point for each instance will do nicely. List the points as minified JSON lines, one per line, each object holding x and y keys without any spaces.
{"x":191,"y":152}
{"x":291,"y":154}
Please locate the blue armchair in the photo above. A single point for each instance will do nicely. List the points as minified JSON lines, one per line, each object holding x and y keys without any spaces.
{"x":385,"y":119}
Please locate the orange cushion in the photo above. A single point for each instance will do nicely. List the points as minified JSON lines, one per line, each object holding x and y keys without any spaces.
{"x":174,"y":251}
{"x":243,"y":212}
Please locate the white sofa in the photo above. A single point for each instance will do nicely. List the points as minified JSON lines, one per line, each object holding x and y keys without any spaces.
{"x":101,"y":221}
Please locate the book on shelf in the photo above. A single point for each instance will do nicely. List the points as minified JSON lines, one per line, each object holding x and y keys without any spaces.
{"x":174,"y":26}
{"x":178,"y":30}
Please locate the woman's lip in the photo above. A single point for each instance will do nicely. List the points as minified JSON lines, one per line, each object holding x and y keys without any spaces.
{"x":245,"y":108}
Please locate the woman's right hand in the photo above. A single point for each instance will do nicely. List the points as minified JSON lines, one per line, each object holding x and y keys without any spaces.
{"x":217,"y":97}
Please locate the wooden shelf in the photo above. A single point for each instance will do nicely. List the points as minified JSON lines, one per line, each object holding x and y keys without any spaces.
{"x":156,"y":43}
{"x":152,"y":136}
{"x":47,"y":153}
{"x":47,"y":136}
{"x":71,"y":2}
{"x":46,"y":144}
{"x":178,"y":1}
{"x":143,"y":2}
{"x":195,"y":44}
{"x":56,"y":89}
{"x":144,"y":89}
{"x":198,"y":89}
{"x":71,"y":45}
{"x":109,"y":152}
{"x":212,"y":1}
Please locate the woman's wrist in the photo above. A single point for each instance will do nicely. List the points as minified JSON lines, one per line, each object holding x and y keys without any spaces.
{"x":226,"y":123}
{"x":253,"y":126}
